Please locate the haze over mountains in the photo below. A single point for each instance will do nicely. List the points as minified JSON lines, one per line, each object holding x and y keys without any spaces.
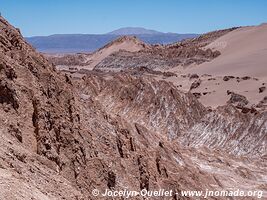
{"x":76,"y":43}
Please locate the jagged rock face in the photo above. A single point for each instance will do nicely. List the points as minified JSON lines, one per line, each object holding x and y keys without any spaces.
{"x":160,"y":107}
{"x":31,"y":119}
{"x":72,"y":59}
{"x":61,"y":138}
{"x":157,"y":105}
{"x":238,"y":99}
{"x":161,"y":58}
{"x":262,"y":103}
{"x":231,"y":131}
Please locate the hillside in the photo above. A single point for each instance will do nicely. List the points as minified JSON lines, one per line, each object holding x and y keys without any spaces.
{"x":63,"y":137}
{"x":243,"y":53}
{"x":240,"y":68}
{"x":163,"y":57}
{"x":89,"y":61}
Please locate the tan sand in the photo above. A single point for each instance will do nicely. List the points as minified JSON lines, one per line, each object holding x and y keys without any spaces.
{"x":243,"y":53}
{"x":130,"y":44}
{"x":213,"y":89}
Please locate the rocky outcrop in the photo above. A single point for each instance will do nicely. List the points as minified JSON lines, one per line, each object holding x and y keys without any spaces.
{"x":262,"y":103}
{"x":239,"y":100}
{"x":262,"y":89}
{"x":164,"y":109}
{"x":230,"y":130}
{"x":159,"y":104}
{"x":67,"y":60}
{"x":227,"y":78}
{"x":192,"y":76}
{"x":163,"y":57}
{"x":195,"y":84}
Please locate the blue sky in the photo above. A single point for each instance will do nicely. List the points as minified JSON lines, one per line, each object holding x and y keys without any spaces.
{"x":45,"y":17}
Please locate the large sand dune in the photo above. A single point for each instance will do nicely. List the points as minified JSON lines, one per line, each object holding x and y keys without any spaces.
{"x":243,"y":53}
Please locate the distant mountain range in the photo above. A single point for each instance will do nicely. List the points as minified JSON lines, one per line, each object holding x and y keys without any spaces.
{"x":75,"y":43}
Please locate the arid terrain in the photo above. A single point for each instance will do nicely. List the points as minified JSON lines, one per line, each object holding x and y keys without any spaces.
{"x":134,"y":116}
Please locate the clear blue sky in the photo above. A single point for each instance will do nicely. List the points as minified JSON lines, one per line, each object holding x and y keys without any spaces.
{"x":45,"y":17}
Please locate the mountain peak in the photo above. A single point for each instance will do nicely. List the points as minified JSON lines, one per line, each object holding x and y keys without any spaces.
{"x":133,"y":31}
{"x":126,"y":38}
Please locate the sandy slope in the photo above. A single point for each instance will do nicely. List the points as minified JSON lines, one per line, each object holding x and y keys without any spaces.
{"x":89,"y":61}
{"x":126,"y":43}
{"x":243,"y":52}
{"x":214,"y":89}
{"x":214,"y":92}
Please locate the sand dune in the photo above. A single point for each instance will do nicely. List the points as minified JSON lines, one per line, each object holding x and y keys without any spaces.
{"x":243,"y":53}
{"x":127,"y":43}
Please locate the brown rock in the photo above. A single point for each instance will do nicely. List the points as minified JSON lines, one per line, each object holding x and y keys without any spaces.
{"x":245,"y":78}
{"x":195,"y":84}
{"x":227,"y":78}
{"x":262,"y":89}
{"x":238,"y":99}
{"x":197,"y":94}
{"x":192,"y":76}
